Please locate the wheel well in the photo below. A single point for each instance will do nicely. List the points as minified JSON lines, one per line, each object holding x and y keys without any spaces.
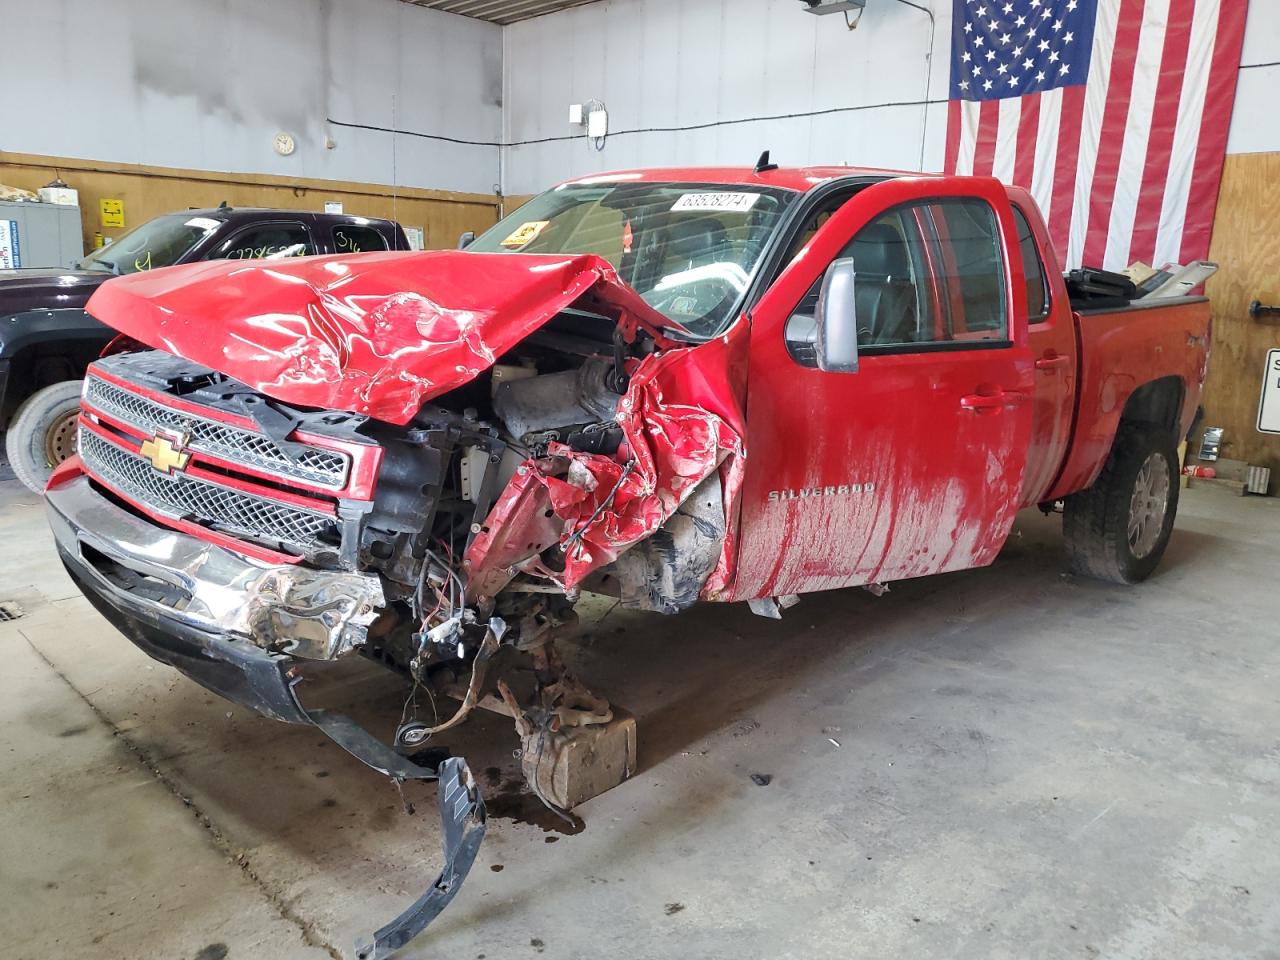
{"x":1158,"y":404}
{"x":43,"y":364}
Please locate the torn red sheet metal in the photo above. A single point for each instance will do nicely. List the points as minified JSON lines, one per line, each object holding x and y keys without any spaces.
{"x":376,"y":333}
{"x":714,"y":377}
{"x":518,"y":527}
{"x":681,"y":419}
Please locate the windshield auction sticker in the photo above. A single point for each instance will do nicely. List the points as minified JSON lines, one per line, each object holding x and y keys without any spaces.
{"x":720,"y":200}
{"x":525,"y":233}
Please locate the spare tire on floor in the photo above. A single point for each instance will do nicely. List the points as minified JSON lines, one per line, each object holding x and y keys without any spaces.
{"x":43,"y":433}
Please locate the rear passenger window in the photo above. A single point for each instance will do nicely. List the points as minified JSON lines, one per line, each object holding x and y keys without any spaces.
{"x":969,"y":243}
{"x":1032,"y":269}
{"x":269,"y":241}
{"x":349,"y":238}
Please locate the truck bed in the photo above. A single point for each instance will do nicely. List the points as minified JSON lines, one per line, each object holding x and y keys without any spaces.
{"x":1159,"y":347}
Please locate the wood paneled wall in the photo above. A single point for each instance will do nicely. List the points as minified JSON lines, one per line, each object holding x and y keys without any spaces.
{"x":1246,"y":246}
{"x":514,"y":203}
{"x":150,"y":191}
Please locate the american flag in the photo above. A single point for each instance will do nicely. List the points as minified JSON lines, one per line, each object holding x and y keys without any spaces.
{"x":1114,"y":113}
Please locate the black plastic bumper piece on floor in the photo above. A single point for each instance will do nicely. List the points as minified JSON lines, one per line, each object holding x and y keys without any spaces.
{"x":246,"y":674}
{"x":462,"y":826}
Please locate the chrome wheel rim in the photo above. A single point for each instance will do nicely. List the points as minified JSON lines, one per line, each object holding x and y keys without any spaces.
{"x":60,"y":440}
{"x":1148,"y":505}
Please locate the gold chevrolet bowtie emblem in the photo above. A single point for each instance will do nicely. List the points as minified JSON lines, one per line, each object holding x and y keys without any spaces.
{"x":165,"y":453}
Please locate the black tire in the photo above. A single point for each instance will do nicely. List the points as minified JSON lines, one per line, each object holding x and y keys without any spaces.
{"x":42,"y":433}
{"x":1104,"y":527}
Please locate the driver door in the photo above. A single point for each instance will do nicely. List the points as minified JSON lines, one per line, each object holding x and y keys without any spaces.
{"x":912,"y":464}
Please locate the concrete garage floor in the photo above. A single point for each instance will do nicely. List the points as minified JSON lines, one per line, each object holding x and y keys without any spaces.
{"x":1004,"y":763}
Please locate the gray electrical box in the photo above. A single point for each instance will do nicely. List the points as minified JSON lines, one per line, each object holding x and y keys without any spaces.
{"x":39,"y":235}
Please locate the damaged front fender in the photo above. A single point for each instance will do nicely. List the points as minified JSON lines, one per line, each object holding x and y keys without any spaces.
{"x":682,"y":421}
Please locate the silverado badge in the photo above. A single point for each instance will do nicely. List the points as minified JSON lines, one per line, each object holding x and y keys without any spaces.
{"x":165,"y":453}
{"x":844,"y":489}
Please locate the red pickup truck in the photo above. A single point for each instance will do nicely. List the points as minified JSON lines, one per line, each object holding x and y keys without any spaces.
{"x":662,"y":385}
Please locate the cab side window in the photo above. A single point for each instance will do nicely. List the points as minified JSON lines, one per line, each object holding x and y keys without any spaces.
{"x":973,"y":266}
{"x":352,"y":238}
{"x":816,"y":221}
{"x":892,"y":289}
{"x":927,"y":275}
{"x":1032,"y":269}
{"x":268,"y":241}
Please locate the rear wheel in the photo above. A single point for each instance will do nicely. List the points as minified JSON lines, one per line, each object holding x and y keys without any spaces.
{"x":1118,"y":529}
{"x":43,"y":433}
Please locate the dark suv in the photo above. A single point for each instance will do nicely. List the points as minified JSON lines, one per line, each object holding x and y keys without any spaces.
{"x":47,"y":339}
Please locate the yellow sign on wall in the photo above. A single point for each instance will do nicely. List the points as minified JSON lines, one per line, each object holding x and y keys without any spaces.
{"x":112,"y":212}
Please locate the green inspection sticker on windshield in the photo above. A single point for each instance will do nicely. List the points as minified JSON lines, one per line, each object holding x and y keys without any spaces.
{"x":719,"y":200}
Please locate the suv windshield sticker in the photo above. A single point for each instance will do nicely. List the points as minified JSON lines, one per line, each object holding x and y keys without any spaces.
{"x":268,"y":251}
{"x":525,"y":233}
{"x":733,"y":202}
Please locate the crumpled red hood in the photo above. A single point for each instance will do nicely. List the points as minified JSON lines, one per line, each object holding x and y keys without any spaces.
{"x":377,"y":333}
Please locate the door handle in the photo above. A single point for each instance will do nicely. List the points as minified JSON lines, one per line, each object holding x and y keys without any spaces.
{"x":1053,"y":362}
{"x":993,"y":401}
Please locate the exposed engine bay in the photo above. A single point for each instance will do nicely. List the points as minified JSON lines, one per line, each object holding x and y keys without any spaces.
{"x":448,"y":611}
{"x":441,"y":476}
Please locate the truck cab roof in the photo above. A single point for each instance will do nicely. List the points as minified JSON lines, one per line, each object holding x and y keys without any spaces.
{"x":782,"y":178}
{"x":233,"y":215}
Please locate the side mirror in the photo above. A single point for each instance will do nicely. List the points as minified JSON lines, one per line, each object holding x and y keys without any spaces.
{"x":466,"y":239}
{"x":836,"y":320}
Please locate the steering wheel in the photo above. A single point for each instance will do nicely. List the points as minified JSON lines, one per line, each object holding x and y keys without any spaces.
{"x":695,"y":296}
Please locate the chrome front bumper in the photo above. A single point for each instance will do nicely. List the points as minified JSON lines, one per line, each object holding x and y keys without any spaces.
{"x":139,"y":565}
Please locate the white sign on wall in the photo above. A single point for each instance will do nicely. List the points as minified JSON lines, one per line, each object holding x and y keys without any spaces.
{"x":1269,"y":404}
{"x":10,"y":248}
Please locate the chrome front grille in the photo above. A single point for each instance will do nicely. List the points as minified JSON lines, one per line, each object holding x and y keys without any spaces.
{"x":184,"y":497}
{"x":325,"y":468}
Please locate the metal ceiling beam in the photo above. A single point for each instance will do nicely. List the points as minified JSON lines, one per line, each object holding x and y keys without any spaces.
{"x":500,"y":11}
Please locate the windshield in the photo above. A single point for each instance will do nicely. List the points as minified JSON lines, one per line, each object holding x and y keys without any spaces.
{"x":158,"y":243}
{"x":689,"y":249}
